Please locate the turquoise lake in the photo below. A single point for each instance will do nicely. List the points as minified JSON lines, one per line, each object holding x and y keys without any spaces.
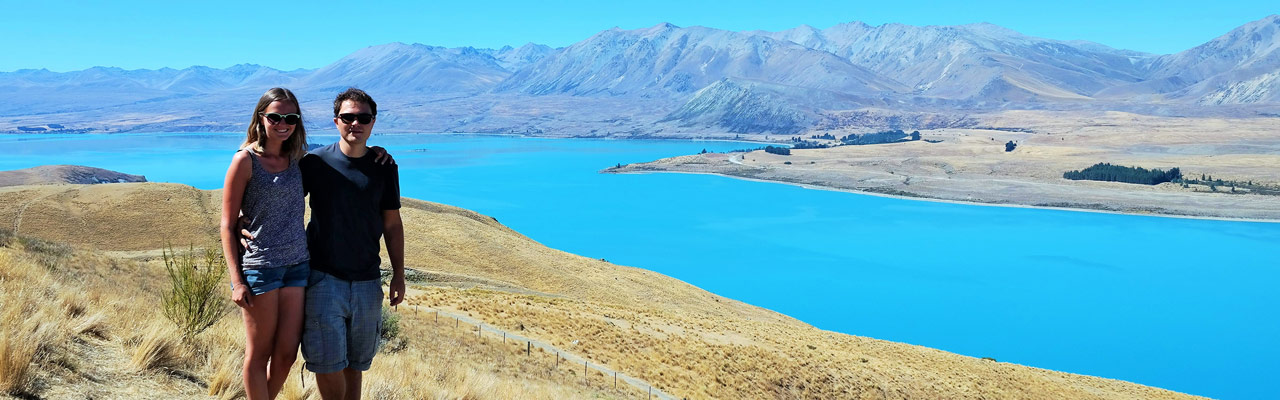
{"x":1183,"y":304}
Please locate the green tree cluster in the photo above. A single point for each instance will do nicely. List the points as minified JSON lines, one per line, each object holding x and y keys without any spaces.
{"x":896,"y":135}
{"x":782,"y":151}
{"x":1117,"y":173}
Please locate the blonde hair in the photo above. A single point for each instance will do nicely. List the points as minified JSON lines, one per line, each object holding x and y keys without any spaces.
{"x":296,"y":145}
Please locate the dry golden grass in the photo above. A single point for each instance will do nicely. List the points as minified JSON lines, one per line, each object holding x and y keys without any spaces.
{"x":101,"y":336}
{"x":679,"y":338}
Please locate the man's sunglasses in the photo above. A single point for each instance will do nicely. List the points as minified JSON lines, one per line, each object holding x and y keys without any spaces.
{"x":348,"y":118}
{"x":291,"y":119}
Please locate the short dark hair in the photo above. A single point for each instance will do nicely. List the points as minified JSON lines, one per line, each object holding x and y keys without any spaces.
{"x":354,"y":94}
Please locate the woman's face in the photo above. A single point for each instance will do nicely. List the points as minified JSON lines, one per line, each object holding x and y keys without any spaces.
{"x":282,"y":113}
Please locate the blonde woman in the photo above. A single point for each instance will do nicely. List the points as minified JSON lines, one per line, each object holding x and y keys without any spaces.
{"x":264,"y":184}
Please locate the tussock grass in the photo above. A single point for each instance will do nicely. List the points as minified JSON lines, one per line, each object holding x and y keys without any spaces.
{"x":18,"y":347}
{"x":224,"y":378}
{"x":35,"y":329}
{"x":157,"y":346}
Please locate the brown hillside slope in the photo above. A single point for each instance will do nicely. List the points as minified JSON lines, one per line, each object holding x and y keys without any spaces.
{"x":680,"y":338}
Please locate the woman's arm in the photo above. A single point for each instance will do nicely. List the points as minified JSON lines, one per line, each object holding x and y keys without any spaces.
{"x":232,"y":196}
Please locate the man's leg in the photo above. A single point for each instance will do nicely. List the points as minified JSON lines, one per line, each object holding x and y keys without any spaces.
{"x":352,"y":377}
{"x":324,"y":339}
{"x":362,"y":338}
{"x":333,"y":386}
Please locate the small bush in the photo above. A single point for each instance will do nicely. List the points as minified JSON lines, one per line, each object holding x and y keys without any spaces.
{"x":389,"y":339}
{"x":390,"y":327}
{"x":7,"y":237}
{"x":194,"y":303}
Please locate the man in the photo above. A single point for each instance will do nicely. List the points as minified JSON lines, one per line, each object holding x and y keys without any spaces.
{"x":354,"y":202}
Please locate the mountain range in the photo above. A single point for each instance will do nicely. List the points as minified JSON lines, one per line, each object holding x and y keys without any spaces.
{"x":683,"y":79}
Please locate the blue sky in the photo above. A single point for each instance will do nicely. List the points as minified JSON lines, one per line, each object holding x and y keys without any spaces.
{"x":64,"y":36}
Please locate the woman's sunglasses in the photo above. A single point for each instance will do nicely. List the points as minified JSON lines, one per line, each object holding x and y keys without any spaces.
{"x":291,"y":119}
{"x":348,"y":118}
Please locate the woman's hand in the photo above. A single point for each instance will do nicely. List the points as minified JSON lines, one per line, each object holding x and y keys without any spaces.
{"x":381,"y":156}
{"x":242,"y":296}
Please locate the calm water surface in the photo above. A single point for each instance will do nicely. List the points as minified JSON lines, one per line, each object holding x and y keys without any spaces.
{"x":1188,"y":305}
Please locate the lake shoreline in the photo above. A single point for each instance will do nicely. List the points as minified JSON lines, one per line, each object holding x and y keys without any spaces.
{"x":646,"y":168}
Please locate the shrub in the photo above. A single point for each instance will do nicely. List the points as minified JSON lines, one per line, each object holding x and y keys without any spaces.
{"x":389,"y":339}
{"x":390,"y":327}
{"x":194,"y":303}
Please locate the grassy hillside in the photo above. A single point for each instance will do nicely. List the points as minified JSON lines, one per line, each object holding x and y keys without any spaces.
{"x":682,"y":339}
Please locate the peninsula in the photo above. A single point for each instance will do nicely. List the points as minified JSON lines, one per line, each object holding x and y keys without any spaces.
{"x":1020,"y":157}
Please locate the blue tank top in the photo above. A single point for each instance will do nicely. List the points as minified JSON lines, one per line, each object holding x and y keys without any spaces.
{"x":274,"y":205}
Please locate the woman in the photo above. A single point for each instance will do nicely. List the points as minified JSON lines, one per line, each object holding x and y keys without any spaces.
{"x":265,"y":185}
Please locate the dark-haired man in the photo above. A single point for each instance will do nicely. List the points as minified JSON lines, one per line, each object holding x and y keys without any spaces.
{"x":354,"y":203}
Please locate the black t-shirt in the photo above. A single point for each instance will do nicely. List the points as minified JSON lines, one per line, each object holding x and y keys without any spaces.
{"x":348,"y":196}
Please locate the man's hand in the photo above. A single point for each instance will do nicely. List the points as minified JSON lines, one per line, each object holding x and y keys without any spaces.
{"x":381,"y":156}
{"x":245,"y":235}
{"x":396,"y":294}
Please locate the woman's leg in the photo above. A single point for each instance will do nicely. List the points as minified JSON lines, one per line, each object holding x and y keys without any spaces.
{"x":260,"y":330}
{"x":288,"y":335}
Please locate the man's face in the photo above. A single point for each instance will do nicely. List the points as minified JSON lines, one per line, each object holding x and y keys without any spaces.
{"x":350,"y":127}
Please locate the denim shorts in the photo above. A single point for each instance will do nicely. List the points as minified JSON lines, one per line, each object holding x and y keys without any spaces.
{"x":262,"y":280}
{"x":340,"y":325}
